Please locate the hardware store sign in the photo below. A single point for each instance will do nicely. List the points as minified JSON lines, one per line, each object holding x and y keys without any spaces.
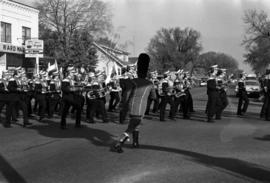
{"x":9,"y":48}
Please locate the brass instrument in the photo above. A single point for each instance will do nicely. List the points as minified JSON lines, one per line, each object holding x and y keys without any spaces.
{"x":165,"y":89}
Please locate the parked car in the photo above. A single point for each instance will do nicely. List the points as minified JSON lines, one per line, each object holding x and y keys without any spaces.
{"x":251,"y":77}
{"x":252,"y":87}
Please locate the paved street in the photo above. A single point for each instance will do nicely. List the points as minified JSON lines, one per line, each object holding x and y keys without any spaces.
{"x":231,"y":150}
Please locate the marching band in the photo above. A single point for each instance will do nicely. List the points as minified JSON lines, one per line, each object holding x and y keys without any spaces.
{"x":46,"y":94}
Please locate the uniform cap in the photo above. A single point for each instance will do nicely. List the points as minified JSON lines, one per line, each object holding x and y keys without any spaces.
{"x":167,"y":72}
{"x":91,"y":74}
{"x":214,"y":66}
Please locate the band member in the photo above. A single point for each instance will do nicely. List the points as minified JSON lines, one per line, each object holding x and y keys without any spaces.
{"x":12,"y":99}
{"x":166,"y":95}
{"x":125,"y":84}
{"x":180,"y":98}
{"x":40,"y":89}
{"x":223,"y":99}
{"x":212,"y":93}
{"x":69,"y":99}
{"x":115,"y":89}
{"x":137,"y":104}
{"x":23,"y":98}
{"x":242,"y":94}
{"x":95,"y":103}
{"x":266,"y":105}
{"x":153,"y":97}
{"x":53,"y":96}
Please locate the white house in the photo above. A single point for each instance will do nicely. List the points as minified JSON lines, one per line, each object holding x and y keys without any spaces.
{"x":18,"y":23}
{"x":111,"y":60}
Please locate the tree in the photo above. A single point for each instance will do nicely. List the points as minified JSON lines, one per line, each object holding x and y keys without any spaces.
{"x":62,"y":20}
{"x":206,"y":60}
{"x":174,"y":49}
{"x":257,"y":40}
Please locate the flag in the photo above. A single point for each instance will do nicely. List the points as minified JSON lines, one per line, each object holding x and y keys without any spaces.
{"x":52,"y":68}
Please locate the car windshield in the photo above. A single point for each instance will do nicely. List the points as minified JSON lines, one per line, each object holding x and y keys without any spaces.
{"x":253,"y":83}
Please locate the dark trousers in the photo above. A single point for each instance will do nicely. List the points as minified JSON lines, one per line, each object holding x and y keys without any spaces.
{"x":183,"y":101}
{"x":29,"y":98}
{"x":21,"y":105}
{"x":133,"y":124}
{"x":123,"y":112}
{"x":212,"y":104}
{"x":242,"y":108}
{"x":69,"y":100}
{"x":11,"y":101}
{"x":190,"y":101}
{"x":94,"y":106}
{"x":114,"y":100}
{"x":52,"y":101}
{"x":163,"y":103}
{"x":149,"y":103}
{"x":266,"y":106}
{"x":42,"y":105}
{"x":222,"y":104}
{"x":263,"y":109}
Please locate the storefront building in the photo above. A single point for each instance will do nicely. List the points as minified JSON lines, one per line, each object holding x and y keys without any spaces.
{"x":19,"y":22}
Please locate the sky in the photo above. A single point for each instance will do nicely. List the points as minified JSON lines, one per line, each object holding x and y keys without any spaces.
{"x":220,"y":22}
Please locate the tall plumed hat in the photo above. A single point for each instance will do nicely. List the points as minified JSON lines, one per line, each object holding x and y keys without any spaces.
{"x":143,"y":64}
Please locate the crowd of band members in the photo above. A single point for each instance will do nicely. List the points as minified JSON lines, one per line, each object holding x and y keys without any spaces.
{"x":52,"y":94}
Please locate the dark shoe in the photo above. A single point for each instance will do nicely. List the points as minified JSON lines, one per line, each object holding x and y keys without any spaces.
{"x":90,"y":121}
{"x":78,"y":126}
{"x":186,"y":117}
{"x":117,"y":148}
{"x":7,"y":125}
{"x":147,"y":113}
{"x":105,"y":121}
{"x":218,"y":118}
{"x":162,"y":120}
{"x":63,"y":127}
{"x":173,"y":119}
{"x":30,"y":115}
{"x":26,"y":124}
{"x":210,"y":121}
{"x":41,"y":118}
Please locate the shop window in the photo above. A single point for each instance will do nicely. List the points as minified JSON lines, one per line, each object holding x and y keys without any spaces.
{"x":26,"y":34}
{"x":5,"y":32}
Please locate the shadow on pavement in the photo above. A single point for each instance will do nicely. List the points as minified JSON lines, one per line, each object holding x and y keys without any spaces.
{"x":11,"y":175}
{"x":264,"y":138}
{"x":95,"y":136}
{"x":231,"y":166}
{"x":98,"y":137}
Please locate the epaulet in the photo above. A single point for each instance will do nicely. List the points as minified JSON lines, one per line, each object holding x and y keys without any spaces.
{"x":65,"y":80}
{"x":11,"y":79}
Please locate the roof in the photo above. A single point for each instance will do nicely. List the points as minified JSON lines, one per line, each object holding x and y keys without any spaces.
{"x":116,"y":50}
{"x":27,"y":5}
{"x":110,"y":56}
